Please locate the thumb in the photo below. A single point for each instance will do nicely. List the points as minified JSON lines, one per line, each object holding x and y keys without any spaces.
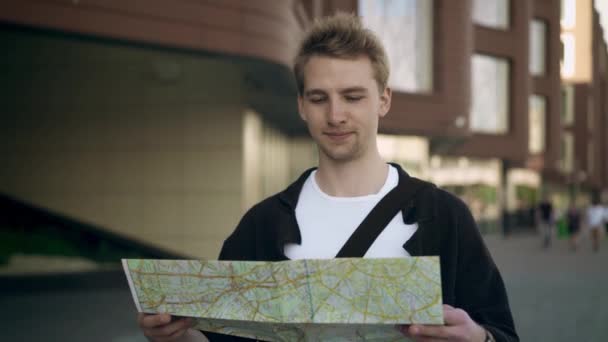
{"x":454,"y":316}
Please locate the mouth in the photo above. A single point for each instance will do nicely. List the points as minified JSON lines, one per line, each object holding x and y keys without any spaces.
{"x":338,"y":136}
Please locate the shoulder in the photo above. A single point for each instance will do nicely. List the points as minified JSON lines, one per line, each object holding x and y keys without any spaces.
{"x":439,"y":202}
{"x":262,"y":210}
{"x":447,"y":214}
{"x":244,"y":242}
{"x":450,"y":202}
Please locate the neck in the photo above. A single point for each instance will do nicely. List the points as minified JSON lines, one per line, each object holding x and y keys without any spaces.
{"x":359,"y":177}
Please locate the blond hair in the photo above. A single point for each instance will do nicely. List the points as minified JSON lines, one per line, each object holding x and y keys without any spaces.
{"x":341,"y":36}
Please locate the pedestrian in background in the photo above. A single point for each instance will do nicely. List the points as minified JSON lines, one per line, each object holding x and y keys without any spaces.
{"x":573,"y":221}
{"x":606,"y":217}
{"x":545,"y":220}
{"x":595,"y":222}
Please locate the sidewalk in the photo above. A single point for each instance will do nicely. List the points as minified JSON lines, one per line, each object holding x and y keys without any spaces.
{"x":555,"y":294}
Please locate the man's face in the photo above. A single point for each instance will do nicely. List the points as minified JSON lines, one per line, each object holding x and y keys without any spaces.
{"x":341,"y":104}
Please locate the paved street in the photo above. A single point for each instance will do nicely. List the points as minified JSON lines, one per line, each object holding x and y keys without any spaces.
{"x":556,"y":295}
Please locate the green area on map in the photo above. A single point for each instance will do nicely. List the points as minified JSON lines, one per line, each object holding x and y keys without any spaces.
{"x":301,"y":300}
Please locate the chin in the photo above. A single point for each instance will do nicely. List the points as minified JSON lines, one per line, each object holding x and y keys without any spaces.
{"x":341,"y":156}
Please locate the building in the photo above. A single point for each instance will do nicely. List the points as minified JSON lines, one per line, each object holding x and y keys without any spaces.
{"x":162,"y":123}
{"x":584,"y":95}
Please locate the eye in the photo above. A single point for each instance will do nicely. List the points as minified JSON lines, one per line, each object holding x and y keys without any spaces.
{"x":353,"y":98}
{"x":317,"y":99}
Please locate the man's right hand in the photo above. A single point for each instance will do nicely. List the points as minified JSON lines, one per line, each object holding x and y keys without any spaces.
{"x":160,"y":328}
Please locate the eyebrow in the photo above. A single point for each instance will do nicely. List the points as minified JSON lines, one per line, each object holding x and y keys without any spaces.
{"x":353,"y":90}
{"x":348,"y":90}
{"x":313,"y":92}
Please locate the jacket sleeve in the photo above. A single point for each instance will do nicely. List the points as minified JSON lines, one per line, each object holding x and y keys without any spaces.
{"x":480,"y":290}
{"x":240,"y":245}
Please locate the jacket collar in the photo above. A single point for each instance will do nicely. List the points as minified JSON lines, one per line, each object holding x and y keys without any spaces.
{"x":291,"y":195}
{"x":289,"y":232}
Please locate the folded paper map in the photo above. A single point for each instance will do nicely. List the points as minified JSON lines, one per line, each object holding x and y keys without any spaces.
{"x":300,"y":300}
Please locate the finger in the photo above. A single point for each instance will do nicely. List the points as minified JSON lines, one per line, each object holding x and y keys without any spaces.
{"x":429,"y":339}
{"x":403,"y":328}
{"x":177,"y":334}
{"x":454,"y":316}
{"x":440,"y":332}
{"x":171,"y":338}
{"x":170,"y":329}
{"x":151,"y":321}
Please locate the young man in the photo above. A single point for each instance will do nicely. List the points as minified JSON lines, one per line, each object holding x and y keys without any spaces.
{"x":341,"y":71}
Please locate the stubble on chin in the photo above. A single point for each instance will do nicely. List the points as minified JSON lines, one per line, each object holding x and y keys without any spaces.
{"x":341,"y":153}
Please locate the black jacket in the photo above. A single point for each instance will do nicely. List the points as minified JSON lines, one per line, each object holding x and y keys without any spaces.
{"x":470,"y":279}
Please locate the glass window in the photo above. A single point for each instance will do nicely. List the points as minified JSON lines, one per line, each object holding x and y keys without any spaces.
{"x":590,"y":158}
{"x":538,"y":47}
{"x":490,"y":94}
{"x":568,"y":13}
{"x":568,"y":44}
{"x":406,"y":30}
{"x":567,"y":156}
{"x":536,"y":139}
{"x":491,"y":13}
{"x":567,"y":105}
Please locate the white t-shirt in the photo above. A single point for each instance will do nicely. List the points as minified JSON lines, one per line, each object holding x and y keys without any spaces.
{"x":326,"y":223}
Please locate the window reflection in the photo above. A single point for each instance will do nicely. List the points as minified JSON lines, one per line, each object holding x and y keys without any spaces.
{"x":491,"y":13}
{"x":536,"y":139}
{"x":567,"y":105}
{"x":538,"y":45}
{"x":490,"y":94}
{"x":406,"y":30}
{"x":567,"y":152}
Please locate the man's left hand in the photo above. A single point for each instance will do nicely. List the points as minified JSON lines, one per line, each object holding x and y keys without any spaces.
{"x":459,"y":327}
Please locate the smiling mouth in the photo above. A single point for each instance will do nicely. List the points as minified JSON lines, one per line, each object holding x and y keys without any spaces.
{"x":338,"y":136}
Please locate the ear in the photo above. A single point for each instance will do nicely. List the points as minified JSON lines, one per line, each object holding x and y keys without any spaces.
{"x":301,"y":107}
{"x":385,"y":101}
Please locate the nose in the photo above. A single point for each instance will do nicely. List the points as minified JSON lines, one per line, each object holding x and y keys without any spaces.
{"x":336,"y":113}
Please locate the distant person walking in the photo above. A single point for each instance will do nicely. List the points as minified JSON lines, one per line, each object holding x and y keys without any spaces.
{"x":606,"y":218}
{"x":573,"y":221}
{"x":595,"y":222}
{"x":545,"y":221}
